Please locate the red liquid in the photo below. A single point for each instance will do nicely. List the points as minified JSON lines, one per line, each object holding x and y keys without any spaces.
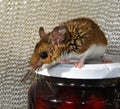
{"x":50,"y":93}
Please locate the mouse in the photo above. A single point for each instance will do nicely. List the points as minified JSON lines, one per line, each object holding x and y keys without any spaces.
{"x":79,"y":39}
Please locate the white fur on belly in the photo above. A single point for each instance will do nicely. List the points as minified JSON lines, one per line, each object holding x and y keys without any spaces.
{"x":94,"y":51}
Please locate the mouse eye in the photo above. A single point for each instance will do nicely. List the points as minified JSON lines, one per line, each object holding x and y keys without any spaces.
{"x":43,"y":55}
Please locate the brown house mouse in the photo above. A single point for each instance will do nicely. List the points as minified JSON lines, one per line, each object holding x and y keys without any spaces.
{"x":79,"y":38}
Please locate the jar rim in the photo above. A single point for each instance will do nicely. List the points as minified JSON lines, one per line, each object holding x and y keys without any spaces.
{"x":89,"y":71}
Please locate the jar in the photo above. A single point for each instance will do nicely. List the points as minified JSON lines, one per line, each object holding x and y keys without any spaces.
{"x":60,"y":92}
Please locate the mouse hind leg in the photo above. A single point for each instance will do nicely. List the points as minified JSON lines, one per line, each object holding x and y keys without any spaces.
{"x":90,"y":53}
{"x":106,"y":59}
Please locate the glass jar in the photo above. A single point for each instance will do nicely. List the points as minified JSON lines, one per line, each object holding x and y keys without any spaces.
{"x":62,"y":93}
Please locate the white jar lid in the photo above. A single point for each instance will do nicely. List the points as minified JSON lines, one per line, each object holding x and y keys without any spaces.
{"x":88,"y":71}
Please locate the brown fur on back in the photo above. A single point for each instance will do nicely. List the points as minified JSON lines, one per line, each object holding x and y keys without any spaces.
{"x":82,"y":33}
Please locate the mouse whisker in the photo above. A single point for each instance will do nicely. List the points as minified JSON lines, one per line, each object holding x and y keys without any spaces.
{"x":27,"y":75}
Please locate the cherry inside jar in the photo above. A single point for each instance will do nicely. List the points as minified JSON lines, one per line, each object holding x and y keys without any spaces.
{"x":61,"y":93}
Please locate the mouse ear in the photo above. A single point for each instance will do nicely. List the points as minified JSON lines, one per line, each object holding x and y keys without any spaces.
{"x":60,"y":30}
{"x":42,"y":32}
{"x":58,"y":34}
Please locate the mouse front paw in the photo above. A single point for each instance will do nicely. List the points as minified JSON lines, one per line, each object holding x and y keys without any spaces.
{"x":78,"y":64}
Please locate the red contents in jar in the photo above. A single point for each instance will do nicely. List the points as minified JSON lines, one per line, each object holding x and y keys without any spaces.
{"x":40,"y":104}
{"x":94,"y":102}
{"x":48,"y":95}
{"x":70,"y":103}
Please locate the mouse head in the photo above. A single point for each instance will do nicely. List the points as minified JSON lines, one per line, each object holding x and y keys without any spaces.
{"x":48,"y":49}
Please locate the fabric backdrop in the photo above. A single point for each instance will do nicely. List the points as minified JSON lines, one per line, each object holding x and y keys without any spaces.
{"x":19,"y":24}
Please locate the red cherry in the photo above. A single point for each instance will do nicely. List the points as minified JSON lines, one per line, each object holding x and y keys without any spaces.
{"x":70,"y":103}
{"x":95,"y":103}
{"x":40,"y":104}
{"x":99,"y":103}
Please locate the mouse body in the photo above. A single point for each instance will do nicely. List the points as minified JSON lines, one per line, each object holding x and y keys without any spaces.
{"x":78,"y":39}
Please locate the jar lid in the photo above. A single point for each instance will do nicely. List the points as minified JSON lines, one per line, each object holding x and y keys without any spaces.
{"x":88,"y":71}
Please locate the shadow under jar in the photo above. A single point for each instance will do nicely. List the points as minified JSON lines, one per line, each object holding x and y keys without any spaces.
{"x":61,"y":93}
